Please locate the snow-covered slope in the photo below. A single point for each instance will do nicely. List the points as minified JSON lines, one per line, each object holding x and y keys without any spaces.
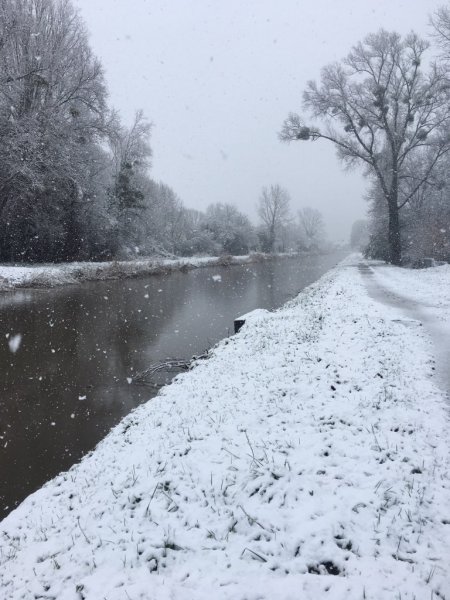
{"x":307,"y":458}
{"x":48,"y":276}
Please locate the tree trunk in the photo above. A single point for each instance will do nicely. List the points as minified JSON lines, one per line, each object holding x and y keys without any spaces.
{"x":72,"y":241}
{"x":395,"y":247}
{"x":394,"y":241}
{"x":272,"y":238}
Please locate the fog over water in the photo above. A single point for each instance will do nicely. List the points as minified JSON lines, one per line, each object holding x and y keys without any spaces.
{"x":218,"y":78}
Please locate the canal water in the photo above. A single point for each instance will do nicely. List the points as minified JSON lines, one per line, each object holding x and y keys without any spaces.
{"x":78,"y":347}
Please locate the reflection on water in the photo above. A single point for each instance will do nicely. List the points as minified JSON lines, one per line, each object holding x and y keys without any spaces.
{"x":66,"y":385}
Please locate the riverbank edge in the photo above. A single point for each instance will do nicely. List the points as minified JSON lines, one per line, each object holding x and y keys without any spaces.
{"x":50,"y":276}
{"x":300,"y":458}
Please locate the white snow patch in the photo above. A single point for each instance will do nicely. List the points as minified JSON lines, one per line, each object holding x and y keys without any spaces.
{"x":47,"y":276}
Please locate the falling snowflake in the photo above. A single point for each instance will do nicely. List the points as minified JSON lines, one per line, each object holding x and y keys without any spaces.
{"x":14,"y":342}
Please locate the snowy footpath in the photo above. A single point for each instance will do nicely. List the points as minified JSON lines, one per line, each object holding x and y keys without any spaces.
{"x":308,"y":458}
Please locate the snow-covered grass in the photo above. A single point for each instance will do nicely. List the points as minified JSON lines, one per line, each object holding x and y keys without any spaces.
{"x":48,"y":276}
{"x":44,"y":276}
{"x":307,"y":458}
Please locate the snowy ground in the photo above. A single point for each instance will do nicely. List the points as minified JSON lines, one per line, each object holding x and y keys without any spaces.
{"x":307,"y":458}
{"x":47,"y":276}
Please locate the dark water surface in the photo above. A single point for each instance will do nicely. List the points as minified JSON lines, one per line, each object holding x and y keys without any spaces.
{"x":66,"y":385}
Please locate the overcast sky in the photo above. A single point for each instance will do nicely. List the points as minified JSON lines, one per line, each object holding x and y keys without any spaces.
{"x":218,"y":77}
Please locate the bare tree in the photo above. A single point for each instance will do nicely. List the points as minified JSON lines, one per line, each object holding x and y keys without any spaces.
{"x":130,"y":146}
{"x":131,"y":152}
{"x":273,"y":209}
{"x":381,"y":109}
{"x":311,"y":225}
{"x":440,"y":22}
{"x":46,"y":63}
{"x":230,"y":228}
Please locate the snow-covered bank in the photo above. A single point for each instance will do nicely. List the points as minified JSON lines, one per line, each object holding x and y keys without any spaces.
{"x":308,"y":458}
{"x":48,"y":276}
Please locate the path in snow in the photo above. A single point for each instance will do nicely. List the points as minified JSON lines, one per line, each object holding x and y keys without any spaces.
{"x":417,"y":312}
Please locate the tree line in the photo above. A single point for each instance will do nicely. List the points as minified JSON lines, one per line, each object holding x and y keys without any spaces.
{"x":386,"y":108}
{"x":75,"y":182}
